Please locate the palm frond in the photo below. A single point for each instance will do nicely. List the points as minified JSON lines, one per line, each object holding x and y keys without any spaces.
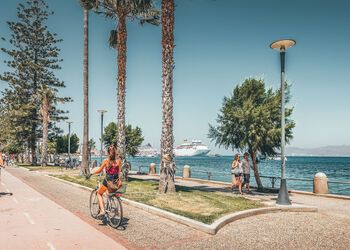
{"x":152,"y":16}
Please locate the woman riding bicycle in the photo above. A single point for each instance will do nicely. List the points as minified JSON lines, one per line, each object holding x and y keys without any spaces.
{"x":112,"y":166}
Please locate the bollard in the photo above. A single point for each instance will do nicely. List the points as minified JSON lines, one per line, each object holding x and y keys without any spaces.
{"x":152,"y":168}
{"x":186,"y":173}
{"x":320,"y":183}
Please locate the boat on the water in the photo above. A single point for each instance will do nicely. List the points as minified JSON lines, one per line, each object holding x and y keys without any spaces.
{"x":147,"y":151}
{"x":193,"y":148}
{"x":277,"y":158}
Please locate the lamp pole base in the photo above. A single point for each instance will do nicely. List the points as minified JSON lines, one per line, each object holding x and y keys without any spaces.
{"x":283,"y":196}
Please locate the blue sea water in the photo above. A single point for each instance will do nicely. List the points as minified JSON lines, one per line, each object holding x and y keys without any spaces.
{"x":336,"y":169}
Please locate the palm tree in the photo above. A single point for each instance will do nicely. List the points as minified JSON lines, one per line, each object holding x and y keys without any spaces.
{"x":167,"y":169}
{"x":87,"y":5}
{"x":120,"y":10}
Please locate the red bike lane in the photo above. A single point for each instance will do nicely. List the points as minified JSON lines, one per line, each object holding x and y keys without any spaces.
{"x":29,"y":220}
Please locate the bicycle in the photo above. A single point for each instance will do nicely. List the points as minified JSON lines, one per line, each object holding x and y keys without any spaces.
{"x":113,"y":205}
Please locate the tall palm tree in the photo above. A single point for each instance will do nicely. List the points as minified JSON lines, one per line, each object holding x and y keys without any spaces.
{"x":87,"y":5}
{"x":121,"y":10}
{"x":167,"y":169}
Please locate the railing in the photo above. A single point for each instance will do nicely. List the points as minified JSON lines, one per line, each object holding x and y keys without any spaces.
{"x":142,"y":166}
{"x":272,"y":179}
{"x":210,"y":174}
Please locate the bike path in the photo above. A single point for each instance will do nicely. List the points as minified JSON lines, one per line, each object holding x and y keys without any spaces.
{"x":148,"y":231}
{"x":29,"y":220}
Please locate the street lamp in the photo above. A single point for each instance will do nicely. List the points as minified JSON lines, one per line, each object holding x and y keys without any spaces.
{"x":282,"y":46}
{"x":102,"y":111}
{"x":69,"y":123}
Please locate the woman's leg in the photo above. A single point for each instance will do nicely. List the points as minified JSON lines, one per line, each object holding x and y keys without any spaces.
{"x":233,"y":182}
{"x":240,"y":184}
{"x":237,"y":181}
{"x":100,"y":192}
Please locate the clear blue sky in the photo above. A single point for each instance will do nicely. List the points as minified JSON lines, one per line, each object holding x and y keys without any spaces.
{"x":218,"y":44}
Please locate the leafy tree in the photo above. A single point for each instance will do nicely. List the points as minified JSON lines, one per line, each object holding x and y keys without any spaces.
{"x":167,"y":169}
{"x":134,"y":137}
{"x":250,"y":119}
{"x":142,"y":10}
{"x":33,"y":60}
{"x":62,"y":144}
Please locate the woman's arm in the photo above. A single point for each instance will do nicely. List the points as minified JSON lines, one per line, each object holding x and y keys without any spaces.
{"x":99,"y":170}
{"x":233,"y":166}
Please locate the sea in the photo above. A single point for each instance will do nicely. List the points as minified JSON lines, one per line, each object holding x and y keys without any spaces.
{"x":336,"y":169}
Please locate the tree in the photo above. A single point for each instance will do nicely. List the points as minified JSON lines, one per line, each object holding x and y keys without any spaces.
{"x":33,"y":60}
{"x":62,"y":144}
{"x":142,"y":10}
{"x":250,"y":119}
{"x":47,"y":97}
{"x":167,"y":169}
{"x":87,"y":6}
{"x":133,"y":137}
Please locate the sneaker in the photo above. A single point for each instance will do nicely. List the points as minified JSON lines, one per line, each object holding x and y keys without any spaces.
{"x":101,"y":215}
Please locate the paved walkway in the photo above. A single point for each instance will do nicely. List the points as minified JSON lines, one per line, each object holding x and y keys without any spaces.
{"x":148,"y":231}
{"x":29,"y":220}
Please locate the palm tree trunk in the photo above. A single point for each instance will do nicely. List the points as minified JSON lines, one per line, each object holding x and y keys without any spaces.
{"x":85,"y":153}
{"x":121,"y":47}
{"x":167,"y":170}
{"x":256,"y":169}
{"x":45,"y":114}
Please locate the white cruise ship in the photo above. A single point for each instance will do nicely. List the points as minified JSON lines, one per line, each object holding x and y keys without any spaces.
{"x":194,"y":148}
{"x":147,"y":151}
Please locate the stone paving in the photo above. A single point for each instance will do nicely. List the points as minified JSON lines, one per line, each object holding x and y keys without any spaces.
{"x":325,"y":230}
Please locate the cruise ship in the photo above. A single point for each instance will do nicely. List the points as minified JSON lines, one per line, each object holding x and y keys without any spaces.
{"x":194,"y":148}
{"x":147,"y":151}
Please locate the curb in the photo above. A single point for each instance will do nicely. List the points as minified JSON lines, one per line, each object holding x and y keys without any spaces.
{"x":216,"y":225}
{"x":333,"y":196}
{"x":26,"y":169}
{"x":70,"y":183}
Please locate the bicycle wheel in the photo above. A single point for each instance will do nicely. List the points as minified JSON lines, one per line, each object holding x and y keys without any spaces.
{"x":114,"y":212}
{"x":94,"y":207}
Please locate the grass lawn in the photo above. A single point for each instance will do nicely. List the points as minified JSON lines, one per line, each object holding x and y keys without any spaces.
{"x":193,"y":203}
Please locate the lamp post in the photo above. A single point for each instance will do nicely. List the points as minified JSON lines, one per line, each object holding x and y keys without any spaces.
{"x":282,"y":46}
{"x":102,"y":111}
{"x":69,"y":123}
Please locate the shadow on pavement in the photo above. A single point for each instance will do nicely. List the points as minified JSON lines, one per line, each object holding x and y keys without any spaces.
{"x":3,"y":193}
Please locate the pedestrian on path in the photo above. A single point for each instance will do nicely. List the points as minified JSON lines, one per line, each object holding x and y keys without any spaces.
{"x":1,"y":161}
{"x":7,"y":159}
{"x":246,"y":171}
{"x":236,"y":171}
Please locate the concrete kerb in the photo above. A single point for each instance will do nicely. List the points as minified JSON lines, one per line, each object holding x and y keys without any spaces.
{"x":70,"y":183}
{"x":216,"y":225}
{"x":334,"y":196}
{"x":26,"y":169}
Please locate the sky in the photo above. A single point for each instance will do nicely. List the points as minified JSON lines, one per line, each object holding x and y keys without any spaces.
{"x":218,"y":44}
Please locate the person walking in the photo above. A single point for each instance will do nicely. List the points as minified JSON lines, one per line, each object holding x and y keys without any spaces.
{"x":246,"y":171}
{"x":1,"y":161}
{"x":236,"y":171}
{"x":7,"y":159}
